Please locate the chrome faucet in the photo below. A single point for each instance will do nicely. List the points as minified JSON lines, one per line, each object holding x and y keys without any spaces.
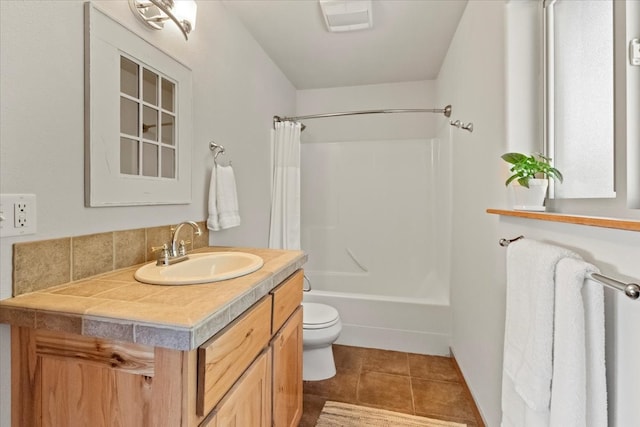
{"x":178,"y":249}
{"x":175,"y":251}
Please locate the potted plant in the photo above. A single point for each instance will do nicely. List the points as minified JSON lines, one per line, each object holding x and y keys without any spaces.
{"x":531,"y":173}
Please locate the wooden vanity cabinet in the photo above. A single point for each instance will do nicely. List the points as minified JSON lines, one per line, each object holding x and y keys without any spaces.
{"x":248,"y":374}
{"x":286,"y":345}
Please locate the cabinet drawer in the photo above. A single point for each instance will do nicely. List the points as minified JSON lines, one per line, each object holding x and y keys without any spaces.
{"x":286,"y":298}
{"x":223,"y":359}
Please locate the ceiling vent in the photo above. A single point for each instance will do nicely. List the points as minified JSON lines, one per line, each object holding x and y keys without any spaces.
{"x":347,"y":15}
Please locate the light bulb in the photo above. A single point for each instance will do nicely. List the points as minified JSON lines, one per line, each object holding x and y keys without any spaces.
{"x":185,"y":10}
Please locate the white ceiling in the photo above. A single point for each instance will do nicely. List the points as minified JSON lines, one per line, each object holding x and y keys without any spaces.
{"x":408,"y":41}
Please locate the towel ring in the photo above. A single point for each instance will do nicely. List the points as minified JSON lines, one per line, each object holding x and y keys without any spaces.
{"x":217,"y":149}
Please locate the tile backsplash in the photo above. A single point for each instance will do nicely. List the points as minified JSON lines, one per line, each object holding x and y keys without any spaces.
{"x":41,"y":264}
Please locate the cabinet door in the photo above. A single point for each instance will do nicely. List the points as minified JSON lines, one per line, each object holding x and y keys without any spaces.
{"x":287,"y":372}
{"x":71,"y":380}
{"x":69,"y":393}
{"x":248,"y":403}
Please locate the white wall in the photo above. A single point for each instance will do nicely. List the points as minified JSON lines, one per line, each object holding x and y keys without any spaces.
{"x":483,"y":80}
{"x":472,"y":80}
{"x":237,"y":90}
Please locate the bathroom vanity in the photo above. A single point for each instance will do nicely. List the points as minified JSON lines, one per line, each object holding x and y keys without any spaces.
{"x":112,"y":351}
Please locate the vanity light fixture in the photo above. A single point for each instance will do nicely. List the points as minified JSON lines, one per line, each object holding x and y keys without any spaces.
{"x":154,"y":13}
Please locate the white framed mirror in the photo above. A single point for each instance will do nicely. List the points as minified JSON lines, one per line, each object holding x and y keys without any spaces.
{"x":138,"y":119}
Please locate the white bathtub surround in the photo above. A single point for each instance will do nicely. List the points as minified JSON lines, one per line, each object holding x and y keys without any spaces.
{"x":284,"y":229}
{"x":373,"y":242}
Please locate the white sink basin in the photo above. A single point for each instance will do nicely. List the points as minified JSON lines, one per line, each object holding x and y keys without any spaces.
{"x":200,"y":268}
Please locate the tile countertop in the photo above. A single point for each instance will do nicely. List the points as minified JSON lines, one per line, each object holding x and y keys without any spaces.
{"x":116,"y":306}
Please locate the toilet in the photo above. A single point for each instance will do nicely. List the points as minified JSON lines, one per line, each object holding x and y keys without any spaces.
{"x":321,"y":327}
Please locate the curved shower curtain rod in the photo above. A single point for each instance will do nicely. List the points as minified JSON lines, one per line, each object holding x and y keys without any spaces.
{"x":446,"y":111}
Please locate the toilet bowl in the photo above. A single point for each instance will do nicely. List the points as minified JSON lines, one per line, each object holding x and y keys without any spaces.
{"x":321,"y":327}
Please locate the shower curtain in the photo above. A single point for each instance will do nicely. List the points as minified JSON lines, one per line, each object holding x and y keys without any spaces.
{"x":284,"y":230}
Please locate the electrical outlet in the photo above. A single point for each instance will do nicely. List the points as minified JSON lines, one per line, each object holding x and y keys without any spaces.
{"x":17,"y":214}
{"x":20,"y":215}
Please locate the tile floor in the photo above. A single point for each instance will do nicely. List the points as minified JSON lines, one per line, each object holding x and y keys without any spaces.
{"x":403,"y":382}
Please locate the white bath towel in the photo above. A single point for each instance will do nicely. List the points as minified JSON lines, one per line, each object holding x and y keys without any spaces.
{"x":579,"y":388}
{"x":528,"y":342}
{"x":223,"y":199}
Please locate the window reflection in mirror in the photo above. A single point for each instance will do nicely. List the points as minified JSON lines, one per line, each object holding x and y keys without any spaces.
{"x":128,"y":156}
{"x":150,"y":87}
{"x":168,"y":94}
{"x":579,"y":96}
{"x":147,"y":148}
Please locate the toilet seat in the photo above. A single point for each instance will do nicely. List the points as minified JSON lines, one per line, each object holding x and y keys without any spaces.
{"x":318,"y":316}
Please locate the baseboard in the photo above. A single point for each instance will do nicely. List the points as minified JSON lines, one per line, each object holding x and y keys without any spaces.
{"x":476,"y":412}
{"x":395,"y":339}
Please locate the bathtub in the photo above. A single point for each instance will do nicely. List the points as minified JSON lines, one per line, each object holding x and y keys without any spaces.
{"x":413,"y":325}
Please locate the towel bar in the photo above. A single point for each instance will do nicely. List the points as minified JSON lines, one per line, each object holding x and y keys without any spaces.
{"x":632,"y":290}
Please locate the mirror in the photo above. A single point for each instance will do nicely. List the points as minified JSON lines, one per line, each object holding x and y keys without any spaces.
{"x":138,"y":119}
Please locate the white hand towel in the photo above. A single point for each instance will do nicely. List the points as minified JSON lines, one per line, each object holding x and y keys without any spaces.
{"x":528,"y":341}
{"x":223,"y":199}
{"x":212,"y":221}
{"x":579,"y":388}
{"x":228,"y":213}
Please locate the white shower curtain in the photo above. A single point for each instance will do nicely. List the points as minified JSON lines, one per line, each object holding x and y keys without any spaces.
{"x":284,"y":230}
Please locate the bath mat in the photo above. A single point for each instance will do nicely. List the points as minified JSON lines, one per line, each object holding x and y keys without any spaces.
{"x":337,"y":414}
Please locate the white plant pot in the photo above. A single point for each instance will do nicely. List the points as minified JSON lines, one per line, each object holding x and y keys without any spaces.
{"x":532,"y":198}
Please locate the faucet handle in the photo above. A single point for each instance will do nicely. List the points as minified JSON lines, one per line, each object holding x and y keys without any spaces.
{"x":164,"y":247}
{"x":163,"y":258}
{"x":182,"y":248}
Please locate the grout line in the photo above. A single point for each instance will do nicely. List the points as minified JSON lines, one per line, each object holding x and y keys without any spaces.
{"x":71,"y":259}
{"x":113,"y":251}
{"x":413,"y":399}
{"x":358,"y":384}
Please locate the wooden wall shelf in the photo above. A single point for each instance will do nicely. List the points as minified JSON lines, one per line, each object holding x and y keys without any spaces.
{"x":594,"y":221}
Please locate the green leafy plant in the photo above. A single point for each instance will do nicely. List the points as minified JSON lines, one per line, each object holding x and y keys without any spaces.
{"x":528,"y":167}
